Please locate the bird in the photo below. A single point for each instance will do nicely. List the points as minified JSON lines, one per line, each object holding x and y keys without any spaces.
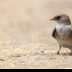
{"x":63,"y":31}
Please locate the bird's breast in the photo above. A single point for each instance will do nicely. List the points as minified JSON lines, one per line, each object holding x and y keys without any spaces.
{"x":62,"y":36}
{"x":60,"y":30}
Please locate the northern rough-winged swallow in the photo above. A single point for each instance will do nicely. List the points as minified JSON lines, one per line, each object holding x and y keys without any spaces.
{"x":63,"y":31}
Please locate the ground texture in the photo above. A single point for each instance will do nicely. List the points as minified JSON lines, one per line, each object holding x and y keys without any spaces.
{"x":25,"y":34}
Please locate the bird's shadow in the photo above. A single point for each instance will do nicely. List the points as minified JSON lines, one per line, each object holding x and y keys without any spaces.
{"x":65,"y":54}
{"x":61,"y":54}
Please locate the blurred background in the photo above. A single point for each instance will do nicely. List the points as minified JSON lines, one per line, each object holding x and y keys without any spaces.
{"x":25,"y":28}
{"x":29,"y":19}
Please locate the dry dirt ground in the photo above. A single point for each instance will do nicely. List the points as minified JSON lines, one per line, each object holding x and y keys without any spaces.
{"x":25,"y":34}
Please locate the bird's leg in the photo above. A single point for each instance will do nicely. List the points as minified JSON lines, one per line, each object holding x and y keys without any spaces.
{"x":59,"y":49}
{"x":71,"y":50}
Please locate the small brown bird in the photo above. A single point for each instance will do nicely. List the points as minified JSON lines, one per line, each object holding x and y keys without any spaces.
{"x":63,"y":31}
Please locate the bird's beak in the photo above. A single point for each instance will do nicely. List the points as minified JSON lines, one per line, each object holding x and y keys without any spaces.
{"x":52,"y":19}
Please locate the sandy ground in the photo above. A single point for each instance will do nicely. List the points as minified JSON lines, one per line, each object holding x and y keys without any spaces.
{"x":25,"y":34}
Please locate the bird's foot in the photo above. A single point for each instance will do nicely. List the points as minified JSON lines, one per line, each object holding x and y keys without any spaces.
{"x":57,"y":53}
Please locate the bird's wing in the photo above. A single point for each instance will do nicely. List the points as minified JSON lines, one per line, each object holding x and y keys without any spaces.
{"x":54,"y":32}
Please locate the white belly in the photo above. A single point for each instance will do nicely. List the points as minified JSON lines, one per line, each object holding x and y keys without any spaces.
{"x":62,"y":38}
{"x":64,"y":43}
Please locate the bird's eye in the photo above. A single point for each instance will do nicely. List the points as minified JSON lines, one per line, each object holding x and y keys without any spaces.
{"x":58,"y":17}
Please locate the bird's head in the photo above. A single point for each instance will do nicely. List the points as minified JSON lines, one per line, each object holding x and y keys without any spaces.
{"x":62,"y":19}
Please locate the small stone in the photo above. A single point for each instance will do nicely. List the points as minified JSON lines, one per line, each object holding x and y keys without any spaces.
{"x":42,"y":51}
{"x":1,"y":59}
